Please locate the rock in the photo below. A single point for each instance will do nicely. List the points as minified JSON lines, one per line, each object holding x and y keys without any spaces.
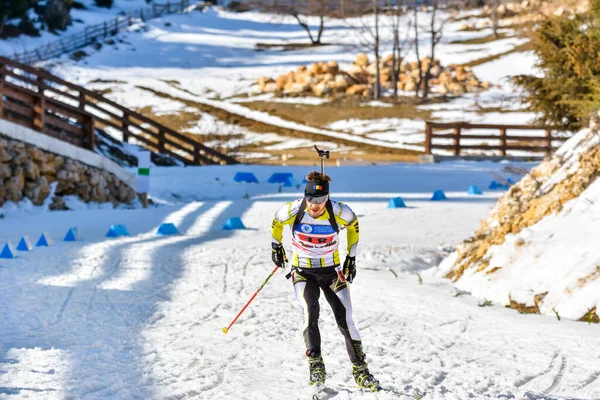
{"x":4,"y":155}
{"x":270,"y":87}
{"x":19,"y":156}
{"x":388,"y":59}
{"x":13,"y":192}
{"x":372,"y":68}
{"x":386,"y":74}
{"x":435,"y":71}
{"x":280,"y":82}
{"x":333,"y":67}
{"x":321,"y":89}
{"x":410,"y":85}
{"x":18,"y":177}
{"x":442,"y":90}
{"x":456,"y":89}
{"x":342,"y":82}
{"x":47,"y":168}
{"x":485,"y":85}
{"x":32,"y":172}
{"x":38,"y":191}
{"x":357,"y":90}
{"x":58,"y":162}
{"x":58,"y":203}
{"x":5,"y":171}
{"x":362,"y":60}
{"x":123,"y":194}
{"x":36,"y":154}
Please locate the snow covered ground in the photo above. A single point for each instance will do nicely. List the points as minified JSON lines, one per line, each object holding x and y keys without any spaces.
{"x":140,"y":317}
{"x":553,"y":263}
{"x":210,"y":57}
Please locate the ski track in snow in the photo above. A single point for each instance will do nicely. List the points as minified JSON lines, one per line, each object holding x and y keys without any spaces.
{"x":141,"y":318}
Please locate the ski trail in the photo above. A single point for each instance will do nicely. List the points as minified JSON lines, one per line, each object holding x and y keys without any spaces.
{"x":528,"y":379}
{"x":559,"y":376}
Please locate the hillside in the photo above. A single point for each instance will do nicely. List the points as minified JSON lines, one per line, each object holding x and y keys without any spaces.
{"x":204,"y":82}
{"x":538,"y":251}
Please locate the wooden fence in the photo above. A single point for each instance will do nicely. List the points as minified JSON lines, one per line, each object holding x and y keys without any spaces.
{"x":504,"y":138}
{"x":92,"y":33}
{"x":48,"y":104}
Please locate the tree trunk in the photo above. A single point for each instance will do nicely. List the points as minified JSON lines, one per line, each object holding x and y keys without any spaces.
{"x":419,"y":63}
{"x":377,"y":88}
{"x":321,"y":28}
{"x":306,"y":28}
{"x":495,"y":6}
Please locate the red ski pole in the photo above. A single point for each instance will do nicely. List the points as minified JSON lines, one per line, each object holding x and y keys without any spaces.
{"x":225,"y":330}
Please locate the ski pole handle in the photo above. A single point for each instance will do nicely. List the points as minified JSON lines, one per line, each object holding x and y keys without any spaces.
{"x":226,"y":330}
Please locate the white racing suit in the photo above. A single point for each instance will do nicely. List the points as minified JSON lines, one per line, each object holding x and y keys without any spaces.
{"x":317,"y":267}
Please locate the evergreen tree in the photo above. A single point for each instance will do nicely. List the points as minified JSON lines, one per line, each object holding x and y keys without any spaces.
{"x":568,"y":51}
{"x":12,"y":9}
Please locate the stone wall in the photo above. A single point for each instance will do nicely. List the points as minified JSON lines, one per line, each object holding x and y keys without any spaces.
{"x":27,"y":171}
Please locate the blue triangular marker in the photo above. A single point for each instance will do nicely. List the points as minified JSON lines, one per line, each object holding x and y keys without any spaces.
{"x":167,"y":229}
{"x":7,"y":251}
{"x":44,"y":240}
{"x":438,"y":195}
{"x":24,"y":244}
{"x":280,"y":177}
{"x":71,"y":235}
{"x":122,"y":229}
{"x":233,"y":223}
{"x":474,"y":190}
{"x":396,"y":202}
{"x":112,"y":232}
{"x":245,"y":177}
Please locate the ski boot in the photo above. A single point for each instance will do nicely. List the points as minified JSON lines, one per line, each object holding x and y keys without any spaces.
{"x":316,"y":368}
{"x":363,"y":377}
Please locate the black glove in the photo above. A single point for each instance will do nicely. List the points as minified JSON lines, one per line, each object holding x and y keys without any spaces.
{"x":278,"y":255}
{"x":350,"y":268}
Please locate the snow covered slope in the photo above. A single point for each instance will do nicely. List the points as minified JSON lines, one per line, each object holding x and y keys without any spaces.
{"x":140,"y":317}
{"x":538,"y":251}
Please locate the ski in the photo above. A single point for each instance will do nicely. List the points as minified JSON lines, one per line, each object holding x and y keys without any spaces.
{"x":324,"y":392}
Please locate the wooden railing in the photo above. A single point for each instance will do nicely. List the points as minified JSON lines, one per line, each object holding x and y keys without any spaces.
{"x":48,"y":104}
{"x":92,"y":33}
{"x":504,"y":137}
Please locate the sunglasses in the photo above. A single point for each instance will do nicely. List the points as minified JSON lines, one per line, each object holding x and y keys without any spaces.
{"x":316,"y":200}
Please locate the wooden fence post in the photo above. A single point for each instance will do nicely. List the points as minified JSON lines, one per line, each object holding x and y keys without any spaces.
{"x":82,"y":100}
{"x":428,"y":137}
{"x":548,"y":141}
{"x":105,"y":30}
{"x":91,"y":133}
{"x":161,"y":141}
{"x":126,"y":127}
{"x":2,"y":79}
{"x":39,"y":107}
{"x":457,"y":140}
{"x":196,"y":154}
{"x":503,"y":141}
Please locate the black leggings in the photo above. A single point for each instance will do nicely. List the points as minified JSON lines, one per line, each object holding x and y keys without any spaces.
{"x":308,"y":285}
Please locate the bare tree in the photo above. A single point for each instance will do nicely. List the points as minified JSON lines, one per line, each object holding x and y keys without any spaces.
{"x":495,"y":20}
{"x":368,"y":36}
{"x":435,"y":32}
{"x":399,"y":47}
{"x":302,"y":10}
